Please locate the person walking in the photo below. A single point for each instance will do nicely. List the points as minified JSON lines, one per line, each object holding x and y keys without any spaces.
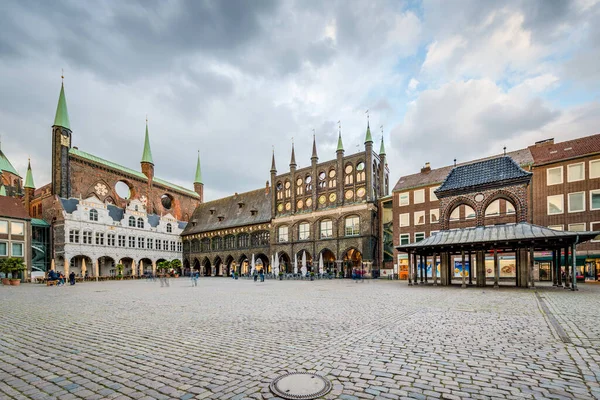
{"x":72,"y":278}
{"x":262,"y":275}
{"x":195,"y":278}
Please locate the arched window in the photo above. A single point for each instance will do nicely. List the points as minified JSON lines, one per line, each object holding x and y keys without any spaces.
{"x":455,"y":215}
{"x":93,"y":215}
{"x":260,"y":238}
{"x":360,"y":172}
{"x":493,"y":208}
{"x":283,"y":234}
{"x":299,"y":186}
{"x":217,"y":243}
{"x":469,"y":212}
{"x":349,"y":178}
{"x":304,"y":231}
{"x":132,"y":222}
{"x":243,"y":240}
{"x":322,"y":180}
{"x":308,"y":181}
{"x":279,"y":188}
{"x":288,"y":190}
{"x":326,"y":229}
{"x":332,"y":181}
{"x":169,"y":228}
{"x":352,"y":226}
{"x":140,"y":222}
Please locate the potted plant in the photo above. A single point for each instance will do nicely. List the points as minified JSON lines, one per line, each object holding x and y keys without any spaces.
{"x":120,"y":268}
{"x":235,"y":275}
{"x":280,"y":275}
{"x":312,"y":276}
{"x":13,"y":265}
{"x":176,"y":266}
{"x":163,"y":267}
{"x":341,"y":274}
{"x":5,"y":268}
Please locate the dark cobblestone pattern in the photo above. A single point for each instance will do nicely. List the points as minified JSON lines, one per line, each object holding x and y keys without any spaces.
{"x":229,"y":339}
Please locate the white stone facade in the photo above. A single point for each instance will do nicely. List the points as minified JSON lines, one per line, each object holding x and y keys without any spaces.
{"x":101,"y":235}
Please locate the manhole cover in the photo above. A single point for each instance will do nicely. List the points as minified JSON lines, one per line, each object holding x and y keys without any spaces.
{"x":300,"y":385}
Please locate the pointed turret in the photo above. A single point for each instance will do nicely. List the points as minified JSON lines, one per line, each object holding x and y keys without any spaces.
{"x":368,"y":137}
{"x":382,"y":148}
{"x":62,"y":115}
{"x":198,"y":177}
{"x":198,"y":185}
{"x":147,"y":155}
{"x":314,"y":156}
{"x":293,"y":160}
{"x":340,"y":146}
{"x":29,"y":178}
{"x":273,"y":168}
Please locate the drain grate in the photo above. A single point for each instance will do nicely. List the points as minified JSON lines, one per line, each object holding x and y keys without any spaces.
{"x":300,"y":385}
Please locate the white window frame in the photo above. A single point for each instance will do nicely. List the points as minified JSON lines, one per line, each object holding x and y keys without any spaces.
{"x":436,"y":212}
{"x":5,"y":224}
{"x":303,"y":235}
{"x":562,"y":196}
{"x":457,"y":209}
{"x":404,"y":215}
{"x":432,"y":196}
{"x":590,"y":167}
{"x":474,"y":212}
{"x":597,"y":191}
{"x":21,"y":224}
{"x":353,"y":229}
{"x":328,"y":231}
{"x":555,"y":227}
{"x":406,"y":236}
{"x":6,"y":253}
{"x":283,"y":234}
{"x":416,"y":216}
{"x":577,"y":223}
{"x":422,"y":193}
{"x":406,"y":196}
{"x":432,"y":233}
{"x":548,"y":176}
{"x":592,"y":228}
{"x":569,"y":201}
{"x":87,"y":237}
{"x":583,"y":174}
{"x":12,"y":253}
{"x":419,"y":233}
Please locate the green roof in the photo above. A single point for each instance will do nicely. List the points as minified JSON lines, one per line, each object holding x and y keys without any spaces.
{"x":5,"y":165}
{"x":382,"y":148}
{"x":62,"y":115}
{"x":368,"y":138}
{"x":340,"y":144}
{"x":29,"y":178}
{"x":129,"y":171}
{"x":147,"y":155}
{"x":198,"y":178}
{"x":39,"y":222}
{"x":2,"y":190}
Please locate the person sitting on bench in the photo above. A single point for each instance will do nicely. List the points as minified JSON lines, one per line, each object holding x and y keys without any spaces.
{"x":52,"y":276}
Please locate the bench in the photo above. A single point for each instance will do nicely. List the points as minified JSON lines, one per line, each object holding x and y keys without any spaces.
{"x":51,"y":283}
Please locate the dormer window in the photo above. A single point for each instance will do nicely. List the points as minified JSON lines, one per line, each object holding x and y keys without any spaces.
{"x":213,"y":211}
{"x":241,"y":204}
{"x":253,"y":211}
{"x":221,"y":217}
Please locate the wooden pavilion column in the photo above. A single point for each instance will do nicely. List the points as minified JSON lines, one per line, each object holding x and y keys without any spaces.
{"x":531,"y":262}
{"x":567,"y":282}
{"x":559,"y":263}
{"x":574,"y":270}
{"x":480,"y":260}
{"x":496,"y":270}
{"x":425,"y":270}
{"x":415,"y":269}
{"x":421,"y":268}
{"x":523,"y":268}
{"x":554,"y":268}
{"x":409,"y":269}
{"x":434,"y":268}
{"x":444,"y":260}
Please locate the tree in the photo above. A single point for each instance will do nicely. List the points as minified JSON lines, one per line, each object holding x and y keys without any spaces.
{"x":176,"y":265}
{"x":12,"y":265}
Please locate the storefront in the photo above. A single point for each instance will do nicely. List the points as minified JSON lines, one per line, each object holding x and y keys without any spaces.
{"x":587,"y":267}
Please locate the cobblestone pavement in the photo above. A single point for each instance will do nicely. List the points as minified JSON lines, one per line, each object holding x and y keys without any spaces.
{"x":229,"y":339}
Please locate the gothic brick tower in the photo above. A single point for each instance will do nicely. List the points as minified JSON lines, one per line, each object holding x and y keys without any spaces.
{"x":61,"y":143}
{"x":198,"y":185}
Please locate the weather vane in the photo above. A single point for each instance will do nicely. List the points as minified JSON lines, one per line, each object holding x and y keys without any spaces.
{"x":367,"y":112}
{"x":62,"y":74}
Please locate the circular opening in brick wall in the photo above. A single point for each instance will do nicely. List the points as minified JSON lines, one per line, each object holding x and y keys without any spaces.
{"x":300,"y":385}
{"x":123,"y":190}
{"x":166,"y":201}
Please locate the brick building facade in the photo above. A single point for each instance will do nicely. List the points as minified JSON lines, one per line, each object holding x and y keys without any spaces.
{"x":327,"y":209}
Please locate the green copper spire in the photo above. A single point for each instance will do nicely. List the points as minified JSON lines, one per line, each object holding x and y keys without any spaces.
{"x":2,"y":190}
{"x":62,"y":115}
{"x":340,"y":144}
{"x":368,"y":138}
{"x":147,"y":156}
{"x":29,"y":178}
{"x":198,"y":178}
{"x":382,"y":148}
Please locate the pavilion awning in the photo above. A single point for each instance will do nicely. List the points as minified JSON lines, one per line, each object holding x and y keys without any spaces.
{"x":522,"y":235}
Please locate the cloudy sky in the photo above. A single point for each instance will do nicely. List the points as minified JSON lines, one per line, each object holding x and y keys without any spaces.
{"x":446,"y":79}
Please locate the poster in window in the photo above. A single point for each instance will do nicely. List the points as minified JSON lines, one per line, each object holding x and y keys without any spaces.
{"x":428,"y":270}
{"x":458,"y":269}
